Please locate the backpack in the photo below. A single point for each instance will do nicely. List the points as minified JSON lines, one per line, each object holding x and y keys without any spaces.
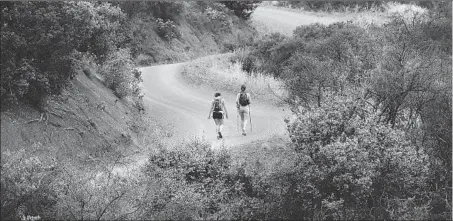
{"x":243,"y":99}
{"x":217,"y":105}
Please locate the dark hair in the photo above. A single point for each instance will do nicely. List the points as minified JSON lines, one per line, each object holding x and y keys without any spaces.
{"x":243,"y":88}
{"x":217,"y":94}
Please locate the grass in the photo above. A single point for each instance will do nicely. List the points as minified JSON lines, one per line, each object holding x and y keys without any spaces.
{"x":264,"y":156}
{"x":224,"y":72}
{"x":360,"y":17}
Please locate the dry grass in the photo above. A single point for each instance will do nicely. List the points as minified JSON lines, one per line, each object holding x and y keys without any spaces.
{"x":224,"y":72}
{"x":264,"y":157}
{"x":358,"y":17}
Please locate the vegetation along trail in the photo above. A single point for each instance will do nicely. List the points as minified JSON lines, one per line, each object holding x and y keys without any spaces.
{"x":170,"y":99}
{"x":174,"y":102}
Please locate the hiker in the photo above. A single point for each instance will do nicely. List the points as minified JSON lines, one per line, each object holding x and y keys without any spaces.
{"x":218,"y":108}
{"x":242,"y":104}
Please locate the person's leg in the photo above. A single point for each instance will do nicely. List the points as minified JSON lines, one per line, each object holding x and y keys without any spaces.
{"x":216,"y":121}
{"x":220,"y":127}
{"x":241,"y":114}
{"x":244,"y":119}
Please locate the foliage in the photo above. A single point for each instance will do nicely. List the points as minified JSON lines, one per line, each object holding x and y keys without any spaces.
{"x":219,"y":72}
{"x":242,"y":9}
{"x":352,"y":165}
{"x":40,"y":42}
{"x":400,"y":74}
{"x":192,"y":181}
{"x":166,"y":10}
{"x":120,"y":75}
{"x":334,"y":5}
{"x":263,"y":52}
{"x":25,"y":188}
{"x":167,"y":29}
{"x":158,"y":9}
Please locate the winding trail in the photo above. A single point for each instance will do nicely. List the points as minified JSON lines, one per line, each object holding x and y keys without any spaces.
{"x":169,"y":99}
{"x":285,"y":22}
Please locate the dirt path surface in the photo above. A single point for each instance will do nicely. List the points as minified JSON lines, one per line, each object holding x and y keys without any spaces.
{"x":285,"y":22}
{"x":186,"y":108}
{"x":170,"y":100}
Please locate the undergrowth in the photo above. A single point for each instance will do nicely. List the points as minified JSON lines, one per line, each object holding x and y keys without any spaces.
{"x":224,"y":73}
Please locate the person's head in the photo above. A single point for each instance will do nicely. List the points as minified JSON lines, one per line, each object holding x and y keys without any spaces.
{"x":243,"y":87}
{"x":217,"y":94}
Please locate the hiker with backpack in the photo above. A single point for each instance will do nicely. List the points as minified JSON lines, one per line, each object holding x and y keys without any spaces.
{"x":243,"y":106}
{"x":217,"y":110}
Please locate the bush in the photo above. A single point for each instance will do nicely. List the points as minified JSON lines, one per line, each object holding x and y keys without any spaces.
{"x":40,"y":42}
{"x":166,"y":10}
{"x":353,"y":166}
{"x":242,"y":9}
{"x":191,"y":180}
{"x":120,"y":75}
{"x":217,"y":18}
{"x":260,"y":58}
{"x":167,"y":29}
{"x":336,"y":5}
{"x":25,"y":186}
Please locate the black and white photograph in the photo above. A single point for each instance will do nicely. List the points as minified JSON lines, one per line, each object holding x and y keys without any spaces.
{"x":226,"y":110}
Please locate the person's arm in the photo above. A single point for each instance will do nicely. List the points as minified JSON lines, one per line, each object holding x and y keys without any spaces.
{"x":210,"y":110}
{"x":250,"y":100}
{"x":224,"y":108}
{"x":237,"y":101}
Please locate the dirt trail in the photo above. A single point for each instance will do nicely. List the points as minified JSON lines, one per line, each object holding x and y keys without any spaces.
{"x":283,"y":21}
{"x":172,"y":102}
{"x":169,"y":99}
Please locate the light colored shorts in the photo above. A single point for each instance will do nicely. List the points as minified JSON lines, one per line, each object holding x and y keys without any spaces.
{"x":243,"y":110}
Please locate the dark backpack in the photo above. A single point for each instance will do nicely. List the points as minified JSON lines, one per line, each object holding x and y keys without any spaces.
{"x":217,"y":105}
{"x":243,"y":99}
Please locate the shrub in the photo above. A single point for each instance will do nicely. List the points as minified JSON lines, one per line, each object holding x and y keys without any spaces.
{"x":120,"y":75}
{"x":311,"y":31}
{"x":40,"y":42}
{"x":242,"y":9}
{"x":167,"y":29}
{"x":354,"y":166}
{"x":93,"y":195}
{"x":190,"y":170}
{"x":336,"y":5}
{"x":260,"y":58}
{"x":166,"y":10}
{"x":217,"y":19}
{"x":25,"y":185}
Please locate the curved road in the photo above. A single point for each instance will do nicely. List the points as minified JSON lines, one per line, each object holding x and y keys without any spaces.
{"x":171,"y":101}
{"x":284,"y":21}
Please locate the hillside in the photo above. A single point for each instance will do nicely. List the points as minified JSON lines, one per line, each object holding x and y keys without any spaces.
{"x":86,"y":135}
{"x":86,"y":126}
{"x":187,"y":30}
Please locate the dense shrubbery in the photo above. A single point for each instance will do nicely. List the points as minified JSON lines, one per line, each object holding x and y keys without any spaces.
{"x":355,"y":167}
{"x":120,"y":74}
{"x":396,"y":77}
{"x":41,"y":42}
{"x":157,"y":9}
{"x":333,"y":5}
{"x":242,"y":9}
{"x":167,"y":29}
{"x":196,"y":182}
{"x":25,"y":186}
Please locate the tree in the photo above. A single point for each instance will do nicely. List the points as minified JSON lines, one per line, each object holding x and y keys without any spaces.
{"x":242,"y":9}
{"x":41,"y":43}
